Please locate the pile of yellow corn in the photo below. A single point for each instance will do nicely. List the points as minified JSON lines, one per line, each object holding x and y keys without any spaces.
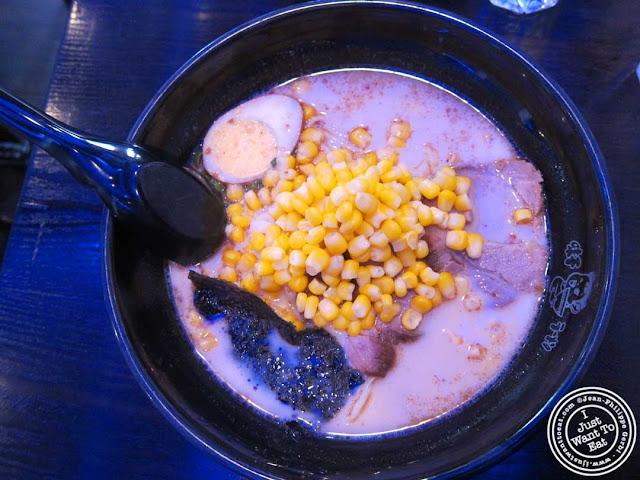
{"x":347,"y":233}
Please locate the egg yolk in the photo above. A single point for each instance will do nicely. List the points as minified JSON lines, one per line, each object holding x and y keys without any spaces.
{"x":242,"y":148}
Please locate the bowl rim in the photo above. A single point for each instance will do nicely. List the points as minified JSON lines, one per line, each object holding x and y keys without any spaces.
{"x":611,"y":226}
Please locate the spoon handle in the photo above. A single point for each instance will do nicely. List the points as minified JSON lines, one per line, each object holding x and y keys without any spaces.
{"x":109,"y":168}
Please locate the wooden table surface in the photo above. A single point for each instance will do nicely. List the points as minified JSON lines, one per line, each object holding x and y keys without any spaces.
{"x":69,"y":406}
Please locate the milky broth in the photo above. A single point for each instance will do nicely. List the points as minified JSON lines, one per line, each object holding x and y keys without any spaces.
{"x":459,"y":352}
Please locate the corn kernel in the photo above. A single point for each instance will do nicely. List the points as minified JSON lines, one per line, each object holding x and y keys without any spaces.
{"x":354,"y":328}
{"x":385,"y":284}
{"x":246,"y":262}
{"x":391,"y":175}
{"x":392,"y":266}
{"x":372,"y":291}
{"x":445,"y":179}
{"x":234,"y":209}
{"x":328,"y":309}
{"x":297,"y":240}
{"x":438,"y":215}
{"x":400,"y":288}
{"x":282,"y":277}
{"x":298,"y":283}
{"x":457,"y":239}
{"x":230,"y":257}
{"x":358,"y":246}
{"x":391,"y":229}
{"x":446,"y":199}
{"x":335,"y":243}
{"x":429,"y":189}
{"x":437,"y":299}
{"x":363,"y":276}
{"x":389,"y":314}
{"x":425,"y":216}
{"x":306,"y":152}
{"x":368,"y":321}
{"x":381,"y":254}
{"x":417,"y":267}
{"x":446,"y":285}
{"x":345,"y":290}
{"x":237,"y":235}
{"x":268,"y":284}
{"x":272,"y":254}
{"x":366,"y":203}
{"x":297,"y":258}
{"x":346,"y":309}
{"x":315,"y":235}
{"x":313,"y":135}
{"x":365,"y":229}
{"x":399,"y":245}
{"x":375,"y":271}
{"x":344,"y":212}
{"x":425,"y":290}
{"x":364,"y":258}
{"x":332,"y":294}
{"x":429,"y":277}
{"x":317,"y":260}
{"x":350,"y":270}
{"x":352,"y":224}
{"x":308,"y":111}
{"x":400,"y":129}
{"x":311,"y":306}
{"x":282,"y":264}
{"x":315,"y":188}
{"x":283,"y":242}
{"x":271,"y":178}
{"x":298,"y":181}
{"x":361,"y":306}
{"x":340,"y":323}
{"x":330,"y":280}
{"x":411,"y":319}
{"x":462,"y":185}
{"x":390,"y":198}
{"x":263,"y":268}
{"x":456,"y":221}
{"x":421,"y":304}
{"x":228,"y":274}
{"x":234,"y":192}
{"x":462,"y":203}
{"x":257,"y":241}
{"x":360,"y":137}
{"x":407,"y":257}
{"x":462,"y":285}
{"x":336,"y":156}
{"x":249,"y":283}
{"x":476,"y":243}
{"x":336,"y":264}
{"x":522,"y":215}
{"x":301,"y":301}
{"x":410,"y":279}
{"x":422,"y":250}
{"x":252,"y":201}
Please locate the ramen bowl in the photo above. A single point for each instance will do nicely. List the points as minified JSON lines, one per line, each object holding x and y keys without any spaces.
{"x":532,"y":112}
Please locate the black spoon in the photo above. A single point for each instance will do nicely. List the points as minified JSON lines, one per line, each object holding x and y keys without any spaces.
{"x":174,"y":210}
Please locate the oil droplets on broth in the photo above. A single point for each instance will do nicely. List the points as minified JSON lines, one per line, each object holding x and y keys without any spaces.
{"x":464,"y":339}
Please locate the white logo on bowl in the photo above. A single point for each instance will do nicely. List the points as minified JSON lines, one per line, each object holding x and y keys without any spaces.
{"x":568,"y":294}
{"x":591,"y":431}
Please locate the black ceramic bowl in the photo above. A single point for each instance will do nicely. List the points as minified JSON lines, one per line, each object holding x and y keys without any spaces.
{"x":533,"y":113}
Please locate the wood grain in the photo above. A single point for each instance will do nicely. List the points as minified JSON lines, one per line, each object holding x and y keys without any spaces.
{"x":69,"y":407}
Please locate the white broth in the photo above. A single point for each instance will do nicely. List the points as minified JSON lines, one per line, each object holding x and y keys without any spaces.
{"x":461,"y":346}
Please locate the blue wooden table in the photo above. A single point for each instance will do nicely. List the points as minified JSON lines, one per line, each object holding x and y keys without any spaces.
{"x":69,"y":407}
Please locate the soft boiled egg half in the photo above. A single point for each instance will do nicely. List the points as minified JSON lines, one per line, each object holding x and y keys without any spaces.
{"x":241,"y":144}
